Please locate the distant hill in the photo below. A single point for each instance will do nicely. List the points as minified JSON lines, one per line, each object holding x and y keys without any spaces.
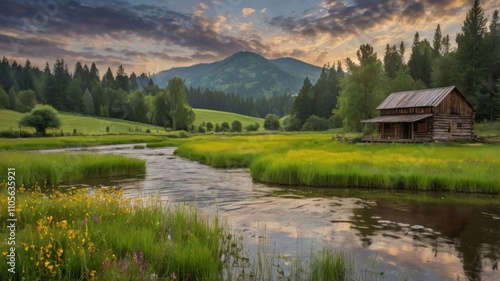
{"x":245,"y":73}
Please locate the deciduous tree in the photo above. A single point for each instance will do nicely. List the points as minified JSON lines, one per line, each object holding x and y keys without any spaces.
{"x":41,"y":118}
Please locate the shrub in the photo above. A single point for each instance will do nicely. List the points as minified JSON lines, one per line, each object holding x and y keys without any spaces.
{"x":315,"y":123}
{"x":252,"y":127}
{"x":236,"y":126}
{"x":183,"y":134}
{"x":272,"y":122}
{"x":201,"y":129}
{"x":224,"y":127}
{"x":209,"y":126}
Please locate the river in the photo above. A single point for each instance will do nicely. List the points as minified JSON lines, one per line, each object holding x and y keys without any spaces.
{"x":396,"y":235}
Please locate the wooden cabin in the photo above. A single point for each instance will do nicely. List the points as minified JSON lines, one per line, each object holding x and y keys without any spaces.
{"x":440,"y":114}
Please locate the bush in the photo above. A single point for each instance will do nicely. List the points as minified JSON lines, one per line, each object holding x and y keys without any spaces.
{"x":272,"y":122}
{"x":209,"y":126}
{"x":252,"y":127}
{"x":183,"y":134}
{"x":201,"y":129}
{"x":217,"y":128}
{"x":148,"y":131}
{"x":236,"y":126}
{"x":315,"y":123}
{"x":292,"y":123}
{"x":224,"y":127}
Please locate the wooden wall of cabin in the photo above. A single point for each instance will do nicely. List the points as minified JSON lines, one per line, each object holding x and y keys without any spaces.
{"x":422,"y":130}
{"x":411,"y":110}
{"x":455,"y":104}
{"x":453,"y":127}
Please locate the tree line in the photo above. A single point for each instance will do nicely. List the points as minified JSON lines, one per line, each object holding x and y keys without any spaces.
{"x":473,"y":67}
{"x":221,"y":101}
{"x":122,"y":96}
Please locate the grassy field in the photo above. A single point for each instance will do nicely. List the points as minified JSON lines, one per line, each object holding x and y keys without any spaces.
{"x":316,"y":160}
{"x":97,"y":126}
{"x":83,"y":124}
{"x":205,"y":115}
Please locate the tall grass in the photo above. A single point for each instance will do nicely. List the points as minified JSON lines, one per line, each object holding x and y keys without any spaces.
{"x":74,"y":141}
{"x":102,"y":236}
{"x":54,"y":168}
{"x":316,"y":160}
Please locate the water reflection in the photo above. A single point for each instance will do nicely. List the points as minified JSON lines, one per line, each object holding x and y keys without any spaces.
{"x":410,"y":236}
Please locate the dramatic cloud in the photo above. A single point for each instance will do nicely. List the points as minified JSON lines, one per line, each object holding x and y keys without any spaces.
{"x":151,"y":35}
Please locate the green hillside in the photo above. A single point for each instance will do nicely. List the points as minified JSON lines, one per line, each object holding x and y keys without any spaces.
{"x":246,"y":74}
{"x":205,"y":115}
{"x":94,"y":125}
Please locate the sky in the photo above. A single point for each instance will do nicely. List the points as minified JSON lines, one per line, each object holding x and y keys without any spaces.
{"x":154,"y":35}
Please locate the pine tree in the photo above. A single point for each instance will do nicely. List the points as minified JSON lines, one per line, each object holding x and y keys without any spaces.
{"x":393,"y":60}
{"x":55,"y":88}
{"x":122,"y":81}
{"x":94,"y":74}
{"x":420,"y":63}
{"x":473,"y":59}
{"x":108,"y":80}
{"x":437,"y":43}
{"x":303,"y":105}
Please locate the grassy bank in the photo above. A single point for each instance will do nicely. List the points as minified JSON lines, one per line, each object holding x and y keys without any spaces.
{"x":54,"y":168}
{"x":316,"y":160}
{"x":79,"y":236}
{"x":74,"y":141}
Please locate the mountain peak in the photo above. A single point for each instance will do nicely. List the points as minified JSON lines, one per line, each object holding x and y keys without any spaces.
{"x":246,"y":74}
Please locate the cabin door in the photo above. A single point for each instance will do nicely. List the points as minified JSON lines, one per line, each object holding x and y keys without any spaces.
{"x":406,"y":131}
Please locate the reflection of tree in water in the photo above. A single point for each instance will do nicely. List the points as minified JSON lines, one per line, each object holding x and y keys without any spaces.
{"x":474,"y":235}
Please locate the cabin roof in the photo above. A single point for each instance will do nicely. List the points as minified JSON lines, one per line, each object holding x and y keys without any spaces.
{"x":407,"y":118}
{"x":416,"y":98}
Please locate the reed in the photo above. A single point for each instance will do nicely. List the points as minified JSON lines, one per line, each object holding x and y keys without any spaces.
{"x":54,"y":168}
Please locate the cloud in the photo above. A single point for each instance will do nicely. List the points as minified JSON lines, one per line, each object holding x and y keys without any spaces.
{"x":247,"y":11}
{"x":364,"y":16}
{"x":263,"y":11}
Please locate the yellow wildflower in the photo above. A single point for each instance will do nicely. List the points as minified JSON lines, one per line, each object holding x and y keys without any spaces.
{"x":59,"y":252}
{"x":4,"y":254}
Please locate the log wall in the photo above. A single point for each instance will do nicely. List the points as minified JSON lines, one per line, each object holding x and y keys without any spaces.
{"x":452,"y":127}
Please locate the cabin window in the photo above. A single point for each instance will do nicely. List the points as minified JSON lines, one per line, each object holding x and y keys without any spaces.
{"x":459,"y":125}
{"x":388,"y":126}
{"x":453,"y":126}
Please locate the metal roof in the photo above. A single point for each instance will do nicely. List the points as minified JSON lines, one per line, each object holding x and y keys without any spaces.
{"x":407,"y":118}
{"x":417,"y":98}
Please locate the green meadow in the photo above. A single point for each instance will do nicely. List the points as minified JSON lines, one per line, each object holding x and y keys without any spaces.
{"x":86,"y":125}
{"x":206,"y":115}
{"x":317,"y":160}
